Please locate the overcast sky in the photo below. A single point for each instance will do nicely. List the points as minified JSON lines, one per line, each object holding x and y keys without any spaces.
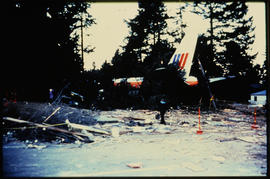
{"x":108,"y":34}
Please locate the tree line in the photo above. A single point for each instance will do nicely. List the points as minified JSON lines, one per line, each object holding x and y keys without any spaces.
{"x":43,"y":48}
{"x":224,"y":50}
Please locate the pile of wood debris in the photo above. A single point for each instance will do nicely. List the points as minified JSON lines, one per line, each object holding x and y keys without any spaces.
{"x":61,"y":123}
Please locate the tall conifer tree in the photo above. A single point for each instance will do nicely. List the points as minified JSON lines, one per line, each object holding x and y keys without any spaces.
{"x":230,"y":35}
{"x":147,"y":45}
{"x":45,"y":52}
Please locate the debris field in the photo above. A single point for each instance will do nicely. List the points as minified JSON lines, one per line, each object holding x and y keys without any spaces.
{"x":133,"y":143}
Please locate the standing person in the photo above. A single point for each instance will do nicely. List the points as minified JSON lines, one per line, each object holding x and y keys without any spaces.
{"x":51,"y":95}
{"x":163,"y":106}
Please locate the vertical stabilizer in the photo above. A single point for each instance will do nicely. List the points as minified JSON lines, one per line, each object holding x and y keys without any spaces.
{"x":183,"y":55}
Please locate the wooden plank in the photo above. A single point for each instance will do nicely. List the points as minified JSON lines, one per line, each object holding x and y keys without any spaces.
{"x":52,"y":114}
{"x":15,"y":120}
{"x":133,"y":118}
{"x":88,"y":128}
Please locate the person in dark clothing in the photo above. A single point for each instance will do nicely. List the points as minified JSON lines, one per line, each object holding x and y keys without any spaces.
{"x":51,"y":97}
{"x":163,"y":106}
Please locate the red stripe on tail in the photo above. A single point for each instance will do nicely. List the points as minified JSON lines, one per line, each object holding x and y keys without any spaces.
{"x":185,"y":60}
{"x":182,"y":56}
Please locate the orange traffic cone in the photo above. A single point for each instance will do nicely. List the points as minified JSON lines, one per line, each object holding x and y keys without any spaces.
{"x":199,"y":131}
{"x":254,"y":125}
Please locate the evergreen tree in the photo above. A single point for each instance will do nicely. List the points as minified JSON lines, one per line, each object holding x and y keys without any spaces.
{"x":68,"y":21}
{"x":237,"y":40}
{"x":45,"y":52}
{"x":147,"y":47}
{"x":209,"y":10}
{"x":231,"y":34}
{"x":128,"y":62}
{"x":159,"y":47}
{"x":203,"y":53}
{"x":156,"y":17}
{"x":137,"y":41}
{"x":162,"y":49}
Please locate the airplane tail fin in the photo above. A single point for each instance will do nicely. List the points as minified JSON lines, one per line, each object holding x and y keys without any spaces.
{"x":183,"y":55}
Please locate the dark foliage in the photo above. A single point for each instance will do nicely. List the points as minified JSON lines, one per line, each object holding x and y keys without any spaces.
{"x":40,"y":51}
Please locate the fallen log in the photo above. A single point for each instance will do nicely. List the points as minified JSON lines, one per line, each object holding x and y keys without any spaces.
{"x":47,"y":126}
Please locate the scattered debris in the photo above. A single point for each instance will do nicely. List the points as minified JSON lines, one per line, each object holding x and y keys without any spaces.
{"x":78,"y":126}
{"x":132,"y":118}
{"x":105,"y":119}
{"x":184,"y":123}
{"x":217,"y":119}
{"x":137,"y":121}
{"x":39,"y":147}
{"x":133,"y":123}
{"x":135,"y":165}
{"x":74,"y":124}
{"x":249,"y":139}
{"x":89,"y":135}
{"x":234,"y":119}
{"x":228,"y":139}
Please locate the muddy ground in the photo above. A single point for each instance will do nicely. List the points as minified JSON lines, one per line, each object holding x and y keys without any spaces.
{"x":135,"y":144}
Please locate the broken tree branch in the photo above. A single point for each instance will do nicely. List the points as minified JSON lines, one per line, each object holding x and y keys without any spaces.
{"x":76,"y":134}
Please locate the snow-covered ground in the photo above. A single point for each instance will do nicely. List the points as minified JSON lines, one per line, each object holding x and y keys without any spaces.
{"x":228,"y":146}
